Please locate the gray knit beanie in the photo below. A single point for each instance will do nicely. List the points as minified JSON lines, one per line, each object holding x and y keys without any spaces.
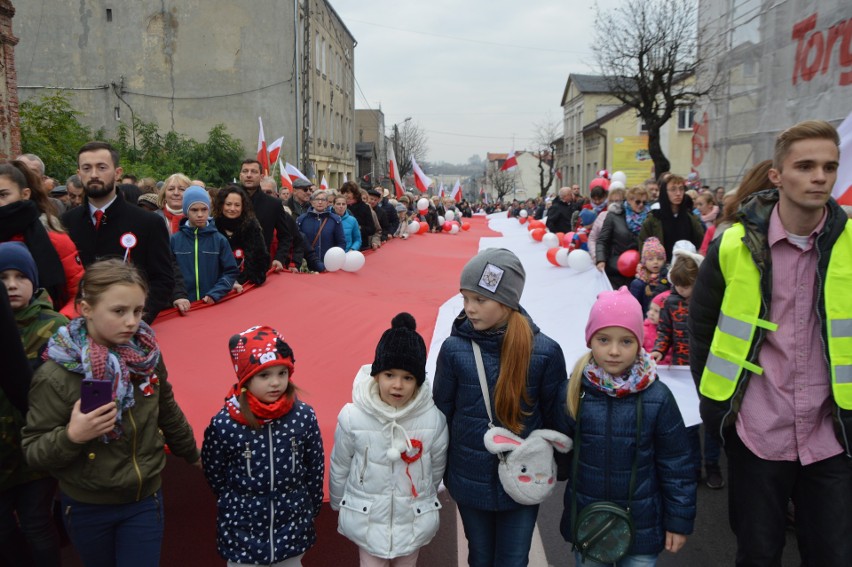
{"x":495,"y":273}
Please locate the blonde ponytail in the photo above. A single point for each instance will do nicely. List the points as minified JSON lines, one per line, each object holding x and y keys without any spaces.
{"x":574,"y":384}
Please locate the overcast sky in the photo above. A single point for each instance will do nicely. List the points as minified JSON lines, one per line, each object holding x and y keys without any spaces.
{"x":471,"y":73}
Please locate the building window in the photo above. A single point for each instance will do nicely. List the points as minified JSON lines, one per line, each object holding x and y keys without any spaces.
{"x":319,"y":53}
{"x":685,"y":117}
{"x":323,"y":50}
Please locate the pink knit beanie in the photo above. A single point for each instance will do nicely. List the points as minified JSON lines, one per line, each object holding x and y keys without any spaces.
{"x":616,"y":309}
{"x":653,"y":248}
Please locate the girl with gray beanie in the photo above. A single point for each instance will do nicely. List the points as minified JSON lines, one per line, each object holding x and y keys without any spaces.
{"x":524,"y":371}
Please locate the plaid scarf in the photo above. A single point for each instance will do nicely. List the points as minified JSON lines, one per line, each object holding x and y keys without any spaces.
{"x":73,"y":349}
{"x":641,"y":375}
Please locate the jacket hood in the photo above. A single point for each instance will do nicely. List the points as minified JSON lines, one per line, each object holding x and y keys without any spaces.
{"x":190,"y":230}
{"x":365,"y":396}
{"x":464,"y":329}
{"x":615,"y":208}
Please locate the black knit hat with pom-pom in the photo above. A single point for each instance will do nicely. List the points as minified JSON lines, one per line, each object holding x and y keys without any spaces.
{"x":403,"y":348}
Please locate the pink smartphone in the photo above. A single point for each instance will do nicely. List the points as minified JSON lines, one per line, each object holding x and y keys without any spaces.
{"x":94,"y":394}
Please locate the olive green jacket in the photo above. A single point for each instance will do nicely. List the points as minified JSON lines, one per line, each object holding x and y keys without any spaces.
{"x":124,"y":470}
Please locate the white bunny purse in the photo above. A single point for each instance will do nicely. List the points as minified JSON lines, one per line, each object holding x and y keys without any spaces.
{"x":527,"y":468}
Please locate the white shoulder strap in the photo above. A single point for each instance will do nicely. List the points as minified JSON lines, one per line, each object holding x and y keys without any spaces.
{"x":480,"y":369}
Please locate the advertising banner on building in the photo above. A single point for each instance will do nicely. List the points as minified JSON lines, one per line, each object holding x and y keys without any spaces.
{"x":630,"y":155}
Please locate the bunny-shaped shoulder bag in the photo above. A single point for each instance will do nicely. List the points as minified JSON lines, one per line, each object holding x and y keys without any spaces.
{"x":527,"y":468}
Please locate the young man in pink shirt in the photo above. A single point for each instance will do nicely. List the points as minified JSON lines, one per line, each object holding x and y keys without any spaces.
{"x":770,"y":335}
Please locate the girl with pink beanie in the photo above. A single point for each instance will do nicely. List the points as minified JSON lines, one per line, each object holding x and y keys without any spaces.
{"x":651,"y":273}
{"x":630,"y":445}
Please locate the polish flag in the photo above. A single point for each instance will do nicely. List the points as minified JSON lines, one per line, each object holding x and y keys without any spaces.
{"x":456,"y":193}
{"x":393,"y":171}
{"x":262,"y":152}
{"x":275,"y":149}
{"x":323,"y":183}
{"x":511,"y":161}
{"x":294,"y":173}
{"x":420,"y":179}
{"x":441,"y":190}
{"x":285,"y":179}
{"x":842,"y":191}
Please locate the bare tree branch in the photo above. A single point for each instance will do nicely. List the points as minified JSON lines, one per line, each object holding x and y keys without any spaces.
{"x":648,"y":52}
{"x":545,"y":134}
{"x":408,"y":140}
{"x":500,"y":181}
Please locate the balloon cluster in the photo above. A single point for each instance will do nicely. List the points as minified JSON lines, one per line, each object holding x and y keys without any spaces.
{"x":337,"y":259}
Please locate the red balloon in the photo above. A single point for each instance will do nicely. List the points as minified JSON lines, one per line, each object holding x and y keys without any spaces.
{"x":523,"y":220}
{"x":538,"y":224}
{"x":551,"y":256}
{"x":424,"y":227}
{"x":567,"y":239}
{"x":583,"y":237}
{"x":560,"y":236}
{"x":627,"y":263}
{"x":447,"y":226}
{"x":465,"y":225}
{"x":538,"y":233}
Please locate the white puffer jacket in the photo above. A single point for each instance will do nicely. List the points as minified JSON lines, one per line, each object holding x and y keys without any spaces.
{"x":369,"y":484}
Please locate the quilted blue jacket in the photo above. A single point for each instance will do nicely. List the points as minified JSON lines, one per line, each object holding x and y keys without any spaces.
{"x":471,"y":475}
{"x":664,"y":498}
{"x":268,"y":482}
{"x":206,"y":261}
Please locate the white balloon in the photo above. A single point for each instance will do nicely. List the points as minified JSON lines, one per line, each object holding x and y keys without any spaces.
{"x":354,"y":261}
{"x":454,"y":229}
{"x":441,"y":220}
{"x":423,"y":204}
{"x":550,"y":240}
{"x":616,"y":185}
{"x":524,"y":213}
{"x":619,"y":176}
{"x":334,"y":258}
{"x":562,"y":257}
{"x":450,"y":215}
{"x":413,"y":227}
{"x":578,"y":260}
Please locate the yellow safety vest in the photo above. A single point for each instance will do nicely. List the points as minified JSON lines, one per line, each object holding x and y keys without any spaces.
{"x":739,"y":319}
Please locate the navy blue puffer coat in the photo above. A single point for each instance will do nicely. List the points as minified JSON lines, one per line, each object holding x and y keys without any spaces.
{"x":664,"y":499}
{"x":471,"y":475}
{"x":268,"y":482}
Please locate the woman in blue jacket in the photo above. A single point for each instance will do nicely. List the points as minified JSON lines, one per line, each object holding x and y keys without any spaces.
{"x":203,"y":254}
{"x":351,"y":230}
{"x":321,"y":228}
{"x":524,"y":371}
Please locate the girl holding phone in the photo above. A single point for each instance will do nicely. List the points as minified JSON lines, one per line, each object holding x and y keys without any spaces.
{"x":107,"y":461}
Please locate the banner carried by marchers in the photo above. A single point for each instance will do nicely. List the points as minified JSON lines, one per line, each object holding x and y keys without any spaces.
{"x":842,"y":192}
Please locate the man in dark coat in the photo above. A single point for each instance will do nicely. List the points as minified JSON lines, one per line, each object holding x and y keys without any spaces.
{"x":560,"y":212}
{"x":270,"y":214}
{"x":107,"y":226}
{"x":373,"y":198}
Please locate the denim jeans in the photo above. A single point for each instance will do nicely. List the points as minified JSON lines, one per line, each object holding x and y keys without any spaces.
{"x":498,"y":538}
{"x":626,"y":561}
{"x":33,"y":503}
{"x":112,"y":535}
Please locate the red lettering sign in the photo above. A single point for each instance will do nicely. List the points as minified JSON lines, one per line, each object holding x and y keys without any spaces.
{"x":700,"y":141}
{"x":814,"y":51}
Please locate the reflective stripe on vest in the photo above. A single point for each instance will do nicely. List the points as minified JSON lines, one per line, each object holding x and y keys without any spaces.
{"x":738,"y":320}
{"x":838,"y":311}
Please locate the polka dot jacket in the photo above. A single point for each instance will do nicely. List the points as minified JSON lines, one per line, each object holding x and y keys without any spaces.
{"x":269,"y":484}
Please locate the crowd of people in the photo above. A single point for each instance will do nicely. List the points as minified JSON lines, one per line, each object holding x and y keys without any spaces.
{"x":750,"y":292}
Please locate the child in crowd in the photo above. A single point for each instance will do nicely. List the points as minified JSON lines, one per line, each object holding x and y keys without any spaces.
{"x":107,"y":461}
{"x":203,"y":254}
{"x":391,"y":424}
{"x":611,"y":387}
{"x":651,"y":322}
{"x":651,"y":274}
{"x":351,"y":230}
{"x":524,"y":370}
{"x":26,"y":496}
{"x":673,"y":337}
{"x":263,"y":457}
{"x":402,"y":215}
